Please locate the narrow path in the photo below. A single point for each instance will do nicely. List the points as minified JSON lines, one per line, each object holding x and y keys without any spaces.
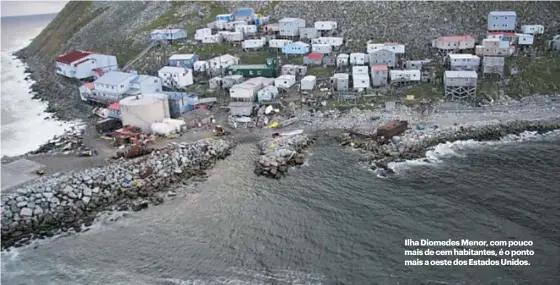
{"x":139,"y":56}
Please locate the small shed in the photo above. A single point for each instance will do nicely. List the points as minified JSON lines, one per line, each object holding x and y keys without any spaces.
{"x":285,"y":81}
{"x":267,"y":94}
{"x":308,"y":82}
{"x":321,"y":48}
{"x":342,"y":59}
{"x":525,"y":39}
{"x":313,"y":59}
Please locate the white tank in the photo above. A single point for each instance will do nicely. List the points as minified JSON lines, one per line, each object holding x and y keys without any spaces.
{"x":143,"y":110}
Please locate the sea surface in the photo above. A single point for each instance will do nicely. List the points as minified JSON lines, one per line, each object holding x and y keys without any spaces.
{"x":24,"y":127}
{"x":330,"y":221}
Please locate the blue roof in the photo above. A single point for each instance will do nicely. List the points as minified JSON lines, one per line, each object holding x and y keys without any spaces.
{"x":503,"y":13}
{"x":113,"y":77}
{"x":244,"y":12}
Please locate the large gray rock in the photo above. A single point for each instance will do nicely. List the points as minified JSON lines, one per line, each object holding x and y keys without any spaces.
{"x":26,"y":212}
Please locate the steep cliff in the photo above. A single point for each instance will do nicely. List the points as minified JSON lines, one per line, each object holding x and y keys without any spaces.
{"x":122,"y":29}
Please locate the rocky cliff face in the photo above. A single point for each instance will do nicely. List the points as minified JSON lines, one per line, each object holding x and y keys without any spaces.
{"x":122,"y":29}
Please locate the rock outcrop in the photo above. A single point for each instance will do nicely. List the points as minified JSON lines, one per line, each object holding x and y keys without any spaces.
{"x":67,"y":201}
{"x":279,"y":154}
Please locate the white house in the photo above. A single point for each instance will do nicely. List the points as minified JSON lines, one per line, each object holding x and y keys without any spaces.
{"x":404,"y":75}
{"x":223,"y":61}
{"x":532,"y":29}
{"x":325,"y":25}
{"x":114,"y":85}
{"x":289,"y":27}
{"x":285,"y":81}
{"x":212,"y":39}
{"x":254,"y":44}
{"x":201,"y":33}
{"x":360,"y":81}
{"x":246,"y":91}
{"x":308,"y":82}
{"x":342,"y":59}
{"x":231,"y":36}
{"x":358,"y":58}
{"x":360,"y":69}
{"x":458,"y":61}
{"x":176,"y":77}
{"x":278,"y":43}
{"x":84,"y":64}
{"x":246,"y":29}
{"x":168,"y":34}
{"x":394,"y":47}
{"x":200,"y":66}
{"x":221,"y":25}
{"x":525,"y":39}
{"x":321,"y":48}
{"x":333,"y":41}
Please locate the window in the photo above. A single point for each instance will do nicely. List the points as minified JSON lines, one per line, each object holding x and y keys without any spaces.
{"x":155,"y":80}
{"x":113,"y":87}
{"x":184,"y":74}
{"x":122,"y":85}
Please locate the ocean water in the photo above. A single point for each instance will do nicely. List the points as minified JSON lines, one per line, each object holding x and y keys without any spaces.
{"x":329,"y":222}
{"x":24,"y":127}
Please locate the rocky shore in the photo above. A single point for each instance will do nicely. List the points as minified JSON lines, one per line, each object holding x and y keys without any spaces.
{"x":414,"y":144}
{"x":278,"y":154}
{"x":66,"y":201}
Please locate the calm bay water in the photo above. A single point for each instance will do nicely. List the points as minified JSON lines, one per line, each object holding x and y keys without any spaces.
{"x":330,"y":222}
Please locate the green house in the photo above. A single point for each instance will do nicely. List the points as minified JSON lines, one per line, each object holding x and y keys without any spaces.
{"x":269,"y":69}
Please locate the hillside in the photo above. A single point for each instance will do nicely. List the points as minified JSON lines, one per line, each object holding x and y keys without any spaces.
{"x":122,"y":29}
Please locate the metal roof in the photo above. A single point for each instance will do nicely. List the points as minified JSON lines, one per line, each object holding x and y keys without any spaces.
{"x":299,"y":44}
{"x":460,"y":74}
{"x":341,"y":75}
{"x":502,"y":13}
{"x":456,"y":38}
{"x":173,"y":69}
{"x":379,"y":67}
{"x":461,"y":56}
{"x":114,"y":77}
{"x":143,"y":99}
{"x":248,"y":66}
{"x":182,"y":56}
{"x":72,"y":56}
{"x":289,"y":20}
{"x":315,"y":55}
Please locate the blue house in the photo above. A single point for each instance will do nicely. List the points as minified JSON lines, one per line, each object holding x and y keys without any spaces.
{"x":178,"y":102}
{"x":183,"y":60}
{"x":224,"y":17}
{"x":168,"y":34}
{"x":502,"y":21}
{"x":296,"y":48}
{"x":244,"y":14}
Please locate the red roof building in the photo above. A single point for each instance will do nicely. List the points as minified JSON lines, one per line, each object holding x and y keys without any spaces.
{"x":460,"y":42}
{"x":115,"y":106}
{"x":72,"y":56}
{"x":315,"y":56}
{"x":379,"y":68}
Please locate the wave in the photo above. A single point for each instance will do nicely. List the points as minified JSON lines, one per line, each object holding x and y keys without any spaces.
{"x":438,"y":153}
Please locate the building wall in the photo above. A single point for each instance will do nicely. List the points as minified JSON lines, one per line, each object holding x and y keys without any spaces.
{"x":382,"y":57}
{"x":185,"y":63}
{"x":463,"y":81}
{"x":289,"y":28}
{"x":379,"y":78}
{"x":295,"y":49}
{"x":501,"y":23}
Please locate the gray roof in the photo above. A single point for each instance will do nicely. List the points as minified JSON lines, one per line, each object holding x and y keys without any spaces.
{"x":113,"y":77}
{"x":503,"y":13}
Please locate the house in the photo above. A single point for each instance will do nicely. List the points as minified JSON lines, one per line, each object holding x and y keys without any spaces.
{"x":183,"y":60}
{"x":333,"y":41}
{"x":84,"y":64}
{"x":360,"y":70}
{"x":262,"y":20}
{"x":115,"y":85}
{"x":200,"y":66}
{"x":404,"y":75}
{"x":222,"y":62}
{"x":272,"y":28}
{"x":494,"y":47}
{"x":212,"y":39}
{"x":224,"y":17}
{"x":267,"y":94}
{"x":246,"y":91}
{"x":246,"y":29}
{"x":379,"y":75}
{"x":329,"y":60}
{"x":460,"y":84}
{"x":222,"y":25}
{"x":321,"y":48}
{"x":502,"y":21}
{"x":340,"y":81}
{"x":285,"y":81}
{"x":360,"y":81}
{"x":358,"y":58}
{"x":525,"y":39}
{"x":382,"y":57}
{"x":176,"y":77}
{"x":278,"y":43}
{"x":180,"y":102}
{"x":342,"y":59}
{"x":459,"y":61}
{"x":229,"y":80}
{"x":215,"y":82}
{"x":232,"y":25}
{"x":268,"y":69}
{"x":289,"y":27}
{"x":86,"y":90}
{"x":253,"y":44}
{"x":413,"y":64}
{"x":296,"y":48}
{"x":394,"y":47}
{"x":503,"y":36}
{"x":325,"y":26}
{"x":168,"y":34}
{"x":231,"y":36}
{"x":114,"y":111}
{"x":308,"y":82}
{"x":244,"y":14}
{"x":532,"y":29}
{"x":454,"y":43}
{"x":201,"y":33}
{"x":308,"y":33}
{"x":290,"y":69}
{"x":493,"y":64}
{"x":313,"y":58}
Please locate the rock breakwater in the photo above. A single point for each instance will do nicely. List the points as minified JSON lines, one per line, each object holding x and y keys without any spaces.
{"x":67,"y":201}
{"x":279,"y":153}
{"x":414,"y":144}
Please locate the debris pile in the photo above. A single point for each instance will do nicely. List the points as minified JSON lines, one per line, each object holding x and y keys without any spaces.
{"x":60,"y":202}
{"x":281,"y":152}
{"x":71,"y":142}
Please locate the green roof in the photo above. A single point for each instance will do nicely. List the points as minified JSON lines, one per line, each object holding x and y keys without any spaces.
{"x":249,"y":66}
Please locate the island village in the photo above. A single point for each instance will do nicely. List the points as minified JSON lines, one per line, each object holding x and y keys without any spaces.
{"x":152,"y":131}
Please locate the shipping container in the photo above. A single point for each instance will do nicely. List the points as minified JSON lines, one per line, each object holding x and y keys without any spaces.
{"x":255,"y":70}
